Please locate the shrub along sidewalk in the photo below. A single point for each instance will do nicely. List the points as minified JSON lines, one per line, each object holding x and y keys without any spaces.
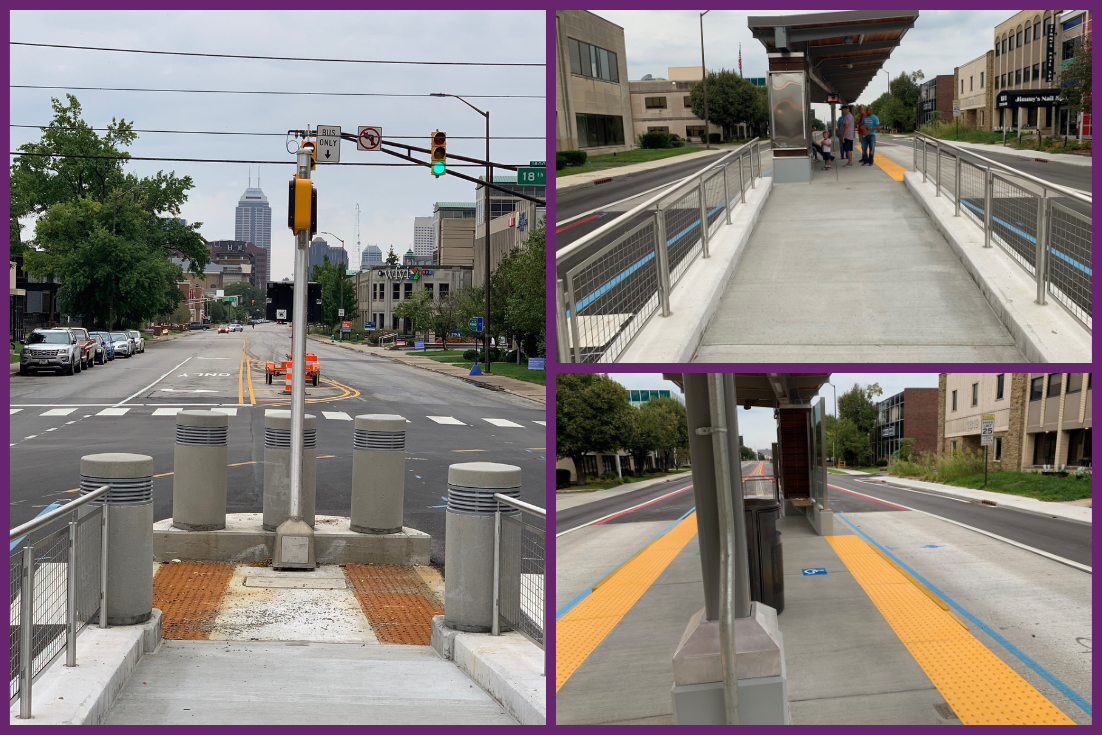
{"x":604,"y":483}
{"x":965,"y":469}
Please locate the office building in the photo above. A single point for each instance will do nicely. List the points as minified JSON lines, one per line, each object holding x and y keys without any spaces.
{"x":453,"y":228}
{"x":1041,"y":419}
{"x":504,"y":202}
{"x":370,"y":256}
{"x":663,"y":104}
{"x":592,"y":99}
{"x":935,"y":95}
{"x":379,"y":290}
{"x":506,"y":232}
{"x":909,"y":414}
{"x":319,"y":250}
{"x":239,"y":253}
{"x":253,"y":223}
{"x":424,"y":242}
{"x":976,"y":92}
{"x":638,"y":397}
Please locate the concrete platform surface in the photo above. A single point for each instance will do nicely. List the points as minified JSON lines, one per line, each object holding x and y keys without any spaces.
{"x":224,"y":683}
{"x":585,"y":556}
{"x":244,"y":539}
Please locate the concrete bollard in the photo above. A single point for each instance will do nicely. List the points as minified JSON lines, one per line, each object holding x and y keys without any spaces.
{"x":277,"y":468}
{"x":469,"y":534}
{"x":129,"y":531}
{"x":378,"y":473}
{"x":199,"y":477}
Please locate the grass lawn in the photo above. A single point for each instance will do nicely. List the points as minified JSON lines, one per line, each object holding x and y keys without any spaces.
{"x":1030,"y":485}
{"x":1028,"y":142}
{"x":14,"y":357}
{"x":624,"y":158}
{"x":447,"y":358}
{"x":859,"y":469}
{"x":607,"y":485}
{"x":435,"y":353}
{"x":512,"y":370}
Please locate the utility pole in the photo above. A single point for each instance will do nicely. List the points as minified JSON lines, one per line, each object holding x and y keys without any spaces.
{"x":704,"y":76}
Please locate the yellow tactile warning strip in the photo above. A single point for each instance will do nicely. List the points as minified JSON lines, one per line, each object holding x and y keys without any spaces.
{"x":397,"y":602}
{"x":981,"y":689}
{"x":890,"y":167}
{"x":188,"y":596}
{"x":581,"y":629}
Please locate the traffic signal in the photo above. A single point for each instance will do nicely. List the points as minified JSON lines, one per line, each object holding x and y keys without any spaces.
{"x":302,"y":206}
{"x":439,"y":153}
{"x":313,"y":153}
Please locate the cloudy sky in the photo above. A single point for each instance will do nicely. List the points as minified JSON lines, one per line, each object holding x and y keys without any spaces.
{"x":389,"y":198}
{"x":939,"y":41}
{"x":758,"y":427}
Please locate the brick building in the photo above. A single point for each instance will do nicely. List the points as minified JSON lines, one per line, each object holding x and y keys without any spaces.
{"x":1040,"y":418}
{"x":909,"y":414}
{"x":935,"y":95}
{"x":242,"y":253}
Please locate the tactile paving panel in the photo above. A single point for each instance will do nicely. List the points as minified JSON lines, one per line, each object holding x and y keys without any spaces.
{"x":188,"y":596}
{"x":977,"y":684}
{"x":396,"y":601}
{"x":581,"y":629}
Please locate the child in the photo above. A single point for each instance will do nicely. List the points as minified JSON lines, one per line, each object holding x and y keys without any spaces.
{"x":825,"y":145}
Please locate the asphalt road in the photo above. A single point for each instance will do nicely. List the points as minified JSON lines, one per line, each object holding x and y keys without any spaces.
{"x":205,"y":370}
{"x":1064,"y":538}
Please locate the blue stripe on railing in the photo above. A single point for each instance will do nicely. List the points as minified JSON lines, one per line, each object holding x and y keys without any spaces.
{"x":1071,"y":261}
{"x":45,"y":510}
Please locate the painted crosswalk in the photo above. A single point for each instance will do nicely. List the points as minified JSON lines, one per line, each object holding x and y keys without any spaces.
{"x":14,"y":410}
{"x":113,"y":412}
{"x":449,"y":420}
{"x":541,"y":423}
{"x":504,"y":423}
{"x":58,"y":412}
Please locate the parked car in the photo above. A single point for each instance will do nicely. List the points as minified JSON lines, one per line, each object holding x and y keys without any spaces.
{"x":122,"y":344}
{"x":50,"y":349}
{"x":237,"y":328}
{"x":195,"y":326}
{"x":104,"y":351}
{"x":139,"y":339}
{"x":87,"y":347}
{"x":108,"y":343}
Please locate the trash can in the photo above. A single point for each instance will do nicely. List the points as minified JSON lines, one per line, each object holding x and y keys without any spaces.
{"x":199,"y":476}
{"x":277,"y":468}
{"x":378,"y":473}
{"x":762,"y":507}
{"x":129,"y":531}
{"x":469,"y":541}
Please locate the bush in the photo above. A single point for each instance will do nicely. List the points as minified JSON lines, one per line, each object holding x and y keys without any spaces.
{"x":713,"y":137}
{"x":939,"y":468}
{"x":560,"y":161}
{"x":495,"y":355}
{"x":610,"y":478}
{"x":660,"y":139}
{"x":571,"y":158}
{"x":562,"y":478}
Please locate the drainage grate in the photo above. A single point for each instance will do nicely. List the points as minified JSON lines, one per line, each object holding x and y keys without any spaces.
{"x":396,"y":601}
{"x":945,"y":711}
{"x":188,"y":596}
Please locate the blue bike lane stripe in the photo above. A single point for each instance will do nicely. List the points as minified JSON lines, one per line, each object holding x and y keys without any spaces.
{"x":44,"y":511}
{"x":1022,"y":233}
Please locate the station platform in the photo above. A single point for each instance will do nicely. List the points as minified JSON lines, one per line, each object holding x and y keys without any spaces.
{"x":888,"y":635}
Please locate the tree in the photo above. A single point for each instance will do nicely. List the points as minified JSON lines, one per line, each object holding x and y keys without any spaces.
{"x":671,"y":427}
{"x":643,"y":435}
{"x":106,"y":236}
{"x":857,"y":406}
{"x":218,"y":312}
{"x":518,"y":288}
{"x":897,"y":108}
{"x":330,"y":276}
{"x":732,"y":99}
{"x":182,"y":315}
{"x":251,"y":300}
{"x":761,"y":456}
{"x":853,"y":444}
{"x":1074,"y":80}
{"x":445,"y":315}
{"x":747,"y":453}
{"x":906,"y":449}
{"x":391,"y":258}
{"x":592,"y":414}
{"x":418,"y":309}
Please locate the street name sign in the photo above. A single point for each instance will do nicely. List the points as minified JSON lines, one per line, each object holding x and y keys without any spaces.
{"x":368,"y":137}
{"x":532,"y":176}
{"x":475,"y":324}
{"x":987,"y":430}
{"x":329,"y":144}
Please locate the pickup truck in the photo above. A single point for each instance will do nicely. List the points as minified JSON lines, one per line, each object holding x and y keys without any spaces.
{"x":87,"y":347}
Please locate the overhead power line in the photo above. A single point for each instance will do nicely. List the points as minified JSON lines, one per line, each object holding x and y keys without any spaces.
{"x":215,"y":160}
{"x":276,"y":58}
{"x":273,"y":92}
{"x":281,"y":135}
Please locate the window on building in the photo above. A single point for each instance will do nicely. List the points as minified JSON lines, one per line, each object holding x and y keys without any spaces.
{"x":1090,"y":377}
{"x":1068,"y":48}
{"x":396,"y":291}
{"x":982,"y":123}
{"x":981,"y":79}
{"x":1018,"y":76}
{"x":1004,"y":81}
{"x":393,"y":322}
{"x":408,"y":291}
{"x":1028,"y":33}
{"x":442,"y":289}
{"x":589,"y":465}
{"x":593,"y":61}
{"x":1036,"y":72}
{"x":658,"y":129}
{"x":1044,"y":448}
{"x":962,"y":86}
{"x":1019,"y":39}
{"x":599,"y":130}
{"x":1000,"y":382}
{"x":998,"y":448}
{"x":1075,"y":382}
{"x":1036,"y":389}
{"x":1010,"y":42}
{"x":1044,"y":68}
{"x":1004,"y":45}
{"x":428,"y":287}
{"x":953,"y":446}
{"x":970,"y":80}
{"x":655,"y":103}
{"x":1054,"y":380}
{"x":694,"y":131}
{"x":954,"y":400}
{"x":975,"y":394}
{"x":1036,"y":31}
{"x":996,"y":48}
{"x":996,"y":82}
{"x":688,"y":104}
{"x":1031,"y":117}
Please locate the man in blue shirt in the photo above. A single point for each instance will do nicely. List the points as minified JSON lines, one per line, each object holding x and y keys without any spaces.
{"x":868,"y":142}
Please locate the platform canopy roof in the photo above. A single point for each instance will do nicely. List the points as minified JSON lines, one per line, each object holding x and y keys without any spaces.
{"x":771,"y":390}
{"x":844,"y":50}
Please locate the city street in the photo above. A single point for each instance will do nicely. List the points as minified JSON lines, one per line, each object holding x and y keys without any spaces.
{"x":128,"y":405}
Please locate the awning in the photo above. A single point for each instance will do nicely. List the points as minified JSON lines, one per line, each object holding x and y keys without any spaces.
{"x":845,"y":50}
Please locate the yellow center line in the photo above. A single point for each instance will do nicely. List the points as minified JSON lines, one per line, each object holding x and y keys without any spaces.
{"x":977,"y":684}
{"x":584,"y":626}
{"x":249,"y":369}
{"x":241,"y":376}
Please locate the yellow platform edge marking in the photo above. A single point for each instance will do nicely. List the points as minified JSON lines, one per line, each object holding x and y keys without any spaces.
{"x":977,"y":684}
{"x":578,"y":632}
{"x":890,"y":167}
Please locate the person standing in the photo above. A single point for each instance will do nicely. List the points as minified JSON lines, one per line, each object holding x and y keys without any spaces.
{"x":858,"y":116}
{"x":847,"y":137}
{"x":824,"y":148}
{"x":870,"y":123}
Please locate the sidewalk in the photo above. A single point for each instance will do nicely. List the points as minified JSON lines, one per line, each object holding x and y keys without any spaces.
{"x":1070,"y":159}
{"x":531,"y":391}
{"x":564,"y":500}
{"x":587,"y":179}
{"x":1030,"y":505}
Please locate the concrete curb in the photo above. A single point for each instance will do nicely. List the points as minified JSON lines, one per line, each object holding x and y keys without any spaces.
{"x":1043,"y":333}
{"x":508,"y":667}
{"x":1018,"y":502}
{"x":575,"y":181}
{"x":584,"y":497}
{"x":677,"y":337}
{"x":83,"y":695}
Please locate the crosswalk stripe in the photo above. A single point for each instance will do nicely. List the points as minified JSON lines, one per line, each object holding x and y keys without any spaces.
{"x":14,"y":410}
{"x":541,"y":423}
{"x":57,"y":412}
{"x":336,"y":415}
{"x":113,"y":412}
{"x":505,"y":423}
{"x":227,"y":411}
{"x":446,"y":420}
{"x":167,"y":411}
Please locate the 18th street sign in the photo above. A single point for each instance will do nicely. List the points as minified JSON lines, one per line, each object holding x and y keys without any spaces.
{"x":530,"y":176}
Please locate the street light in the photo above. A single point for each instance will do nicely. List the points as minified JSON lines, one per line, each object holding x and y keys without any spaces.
{"x":488,"y":180}
{"x":704,"y":76}
{"x":343,"y":269}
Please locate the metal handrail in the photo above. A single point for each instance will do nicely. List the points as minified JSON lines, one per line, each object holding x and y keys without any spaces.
{"x":495,"y":625}
{"x":36,"y":523}
{"x":577,"y":245}
{"x":1075,"y":194}
{"x":521,"y":505}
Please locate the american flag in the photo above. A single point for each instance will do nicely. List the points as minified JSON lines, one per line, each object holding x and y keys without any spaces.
{"x":740,"y":59}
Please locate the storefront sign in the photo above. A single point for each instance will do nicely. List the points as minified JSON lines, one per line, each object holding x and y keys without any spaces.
{"x":1050,"y":50}
{"x":1039,"y":98}
{"x":404,"y":274}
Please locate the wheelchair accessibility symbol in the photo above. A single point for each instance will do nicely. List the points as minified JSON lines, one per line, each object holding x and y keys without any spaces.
{"x":813,"y":572}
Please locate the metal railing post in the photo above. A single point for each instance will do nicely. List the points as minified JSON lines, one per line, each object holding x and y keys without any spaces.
{"x":661,"y":261}
{"x":703,"y":217}
{"x":937,"y":169}
{"x":956,"y":186}
{"x":562,"y":346}
{"x":752,"y":186}
{"x":26,"y":625}
{"x":71,"y":597}
{"x":727,"y":192}
{"x":988,"y":202}
{"x":1041,"y":269}
{"x":495,"y":626}
{"x":924,"y":147}
{"x":575,"y":336}
{"x":742,"y":186}
{"x":104,"y":523}
{"x":914,"y":151}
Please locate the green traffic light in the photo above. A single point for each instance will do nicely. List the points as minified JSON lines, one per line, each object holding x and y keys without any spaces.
{"x":438,"y":168}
